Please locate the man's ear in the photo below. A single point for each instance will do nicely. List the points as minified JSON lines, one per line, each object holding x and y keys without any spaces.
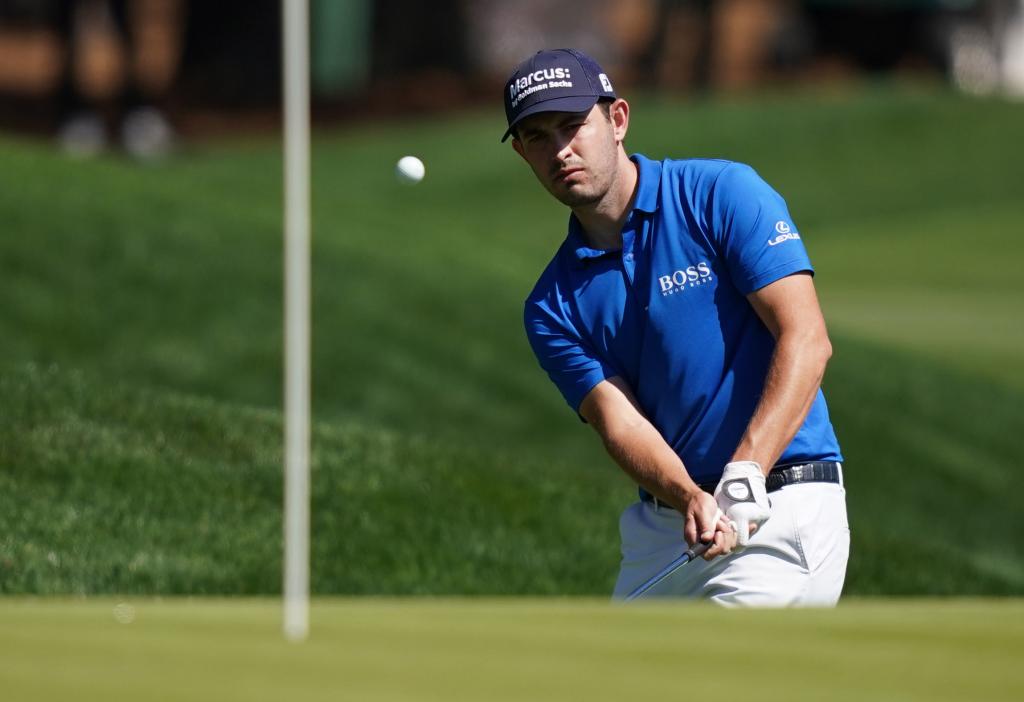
{"x":518,"y":146}
{"x":619,"y":115}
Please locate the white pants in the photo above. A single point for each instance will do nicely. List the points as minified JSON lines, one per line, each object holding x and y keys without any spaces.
{"x":797,"y":558}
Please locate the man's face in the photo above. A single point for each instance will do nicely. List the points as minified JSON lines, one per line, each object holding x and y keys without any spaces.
{"x":573,"y":154}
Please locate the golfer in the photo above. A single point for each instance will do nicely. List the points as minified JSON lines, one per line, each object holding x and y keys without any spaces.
{"x":679,"y":319}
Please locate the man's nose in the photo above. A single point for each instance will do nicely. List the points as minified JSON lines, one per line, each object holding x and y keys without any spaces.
{"x":564,"y":149}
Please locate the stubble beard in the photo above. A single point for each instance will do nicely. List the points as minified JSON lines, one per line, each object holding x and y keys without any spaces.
{"x":586,"y":194}
{"x":600,"y":180}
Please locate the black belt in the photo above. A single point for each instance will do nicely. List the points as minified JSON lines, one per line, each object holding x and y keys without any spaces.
{"x":780,"y":477}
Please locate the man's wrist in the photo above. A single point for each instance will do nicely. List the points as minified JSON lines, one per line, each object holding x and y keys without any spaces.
{"x":760,"y":465}
{"x":690,"y":493}
{"x":682,"y":494}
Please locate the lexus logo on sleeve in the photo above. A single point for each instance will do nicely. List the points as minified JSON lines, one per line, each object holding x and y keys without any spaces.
{"x":785,"y":233}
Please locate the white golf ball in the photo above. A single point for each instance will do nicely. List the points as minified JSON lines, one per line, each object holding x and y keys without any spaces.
{"x":410,"y":169}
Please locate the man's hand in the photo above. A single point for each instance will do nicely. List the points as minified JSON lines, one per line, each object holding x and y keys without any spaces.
{"x":741,"y":495}
{"x":705,"y":523}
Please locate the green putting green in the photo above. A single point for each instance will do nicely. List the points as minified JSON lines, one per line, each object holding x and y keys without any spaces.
{"x":454,"y":650}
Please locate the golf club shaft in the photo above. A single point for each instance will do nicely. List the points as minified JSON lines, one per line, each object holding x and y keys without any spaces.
{"x":689,"y":555}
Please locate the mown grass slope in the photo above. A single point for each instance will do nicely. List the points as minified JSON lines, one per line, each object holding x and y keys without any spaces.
{"x":140,"y":361}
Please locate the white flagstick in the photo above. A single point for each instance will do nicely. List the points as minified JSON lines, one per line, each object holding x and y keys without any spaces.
{"x":296,"y":312}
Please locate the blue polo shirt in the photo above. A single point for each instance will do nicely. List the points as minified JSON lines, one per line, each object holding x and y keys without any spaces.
{"x":668,"y":311}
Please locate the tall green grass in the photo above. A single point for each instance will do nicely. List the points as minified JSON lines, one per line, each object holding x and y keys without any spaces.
{"x":140,"y":355}
{"x":108,"y":488}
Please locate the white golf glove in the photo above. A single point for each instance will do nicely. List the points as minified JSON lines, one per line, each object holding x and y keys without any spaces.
{"x":742,"y":496}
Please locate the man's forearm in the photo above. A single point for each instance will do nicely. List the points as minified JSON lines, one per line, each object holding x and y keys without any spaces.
{"x":645,"y":456}
{"x":794,"y":376}
{"x":635,"y":445}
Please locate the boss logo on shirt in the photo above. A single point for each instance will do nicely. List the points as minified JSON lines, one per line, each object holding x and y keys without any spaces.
{"x":689,"y":277}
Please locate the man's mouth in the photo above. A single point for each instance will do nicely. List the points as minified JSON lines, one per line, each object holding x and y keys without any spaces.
{"x":564,"y":173}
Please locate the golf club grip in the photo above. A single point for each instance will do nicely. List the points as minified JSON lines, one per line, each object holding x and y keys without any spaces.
{"x":699,"y":549}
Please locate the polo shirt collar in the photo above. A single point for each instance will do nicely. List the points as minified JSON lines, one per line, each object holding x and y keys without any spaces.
{"x":647,"y":189}
{"x":648,"y":183}
{"x":577,"y":243}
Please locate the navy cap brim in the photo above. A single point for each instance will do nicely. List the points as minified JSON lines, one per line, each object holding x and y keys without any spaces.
{"x":572,"y":103}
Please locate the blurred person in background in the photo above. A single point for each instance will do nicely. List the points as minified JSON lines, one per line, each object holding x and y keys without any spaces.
{"x":120,"y":58}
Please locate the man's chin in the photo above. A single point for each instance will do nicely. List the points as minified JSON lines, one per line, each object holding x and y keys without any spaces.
{"x":576,"y":196}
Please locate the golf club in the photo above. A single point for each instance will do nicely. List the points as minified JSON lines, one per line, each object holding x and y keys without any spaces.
{"x":689,"y":555}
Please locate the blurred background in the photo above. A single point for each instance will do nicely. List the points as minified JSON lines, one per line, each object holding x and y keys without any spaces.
{"x":140,"y":284}
{"x":139,"y":71}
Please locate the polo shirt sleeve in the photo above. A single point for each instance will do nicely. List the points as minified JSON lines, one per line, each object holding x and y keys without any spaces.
{"x":562,"y":353}
{"x":751,"y":226}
